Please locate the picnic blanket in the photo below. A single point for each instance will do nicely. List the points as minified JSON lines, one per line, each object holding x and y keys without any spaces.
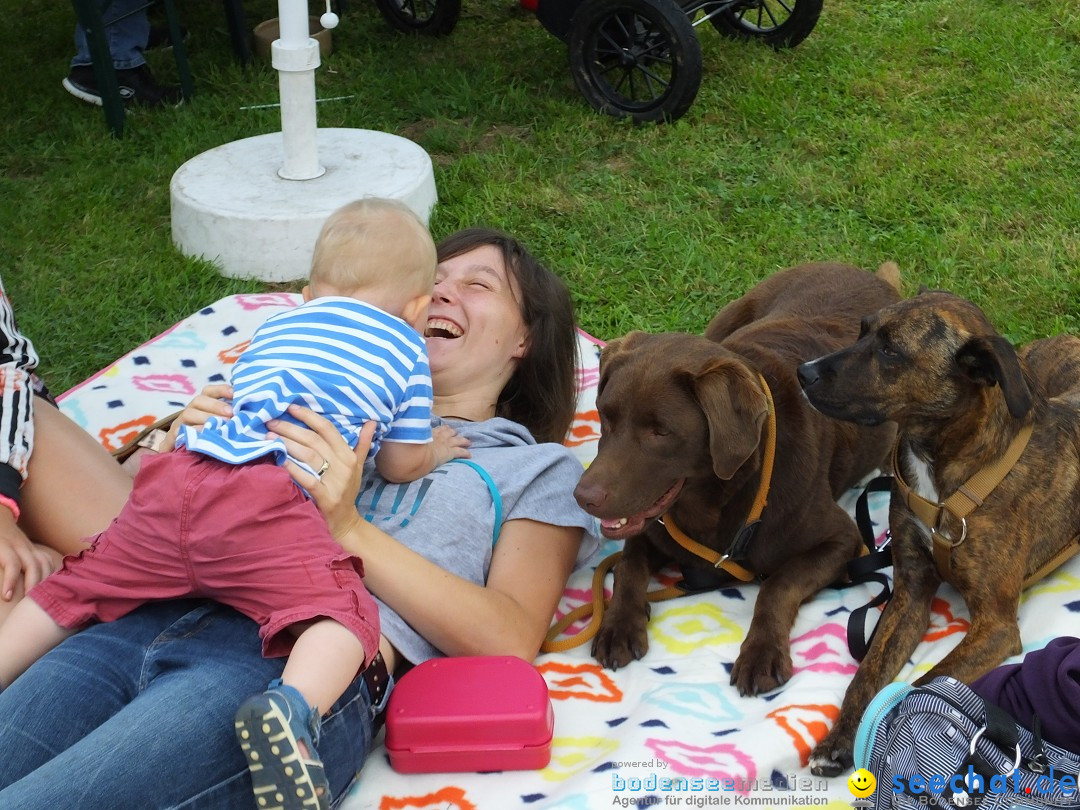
{"x":667,"y":730}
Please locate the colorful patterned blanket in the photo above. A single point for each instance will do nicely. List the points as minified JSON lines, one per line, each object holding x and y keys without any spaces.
{"x":667,"y":730}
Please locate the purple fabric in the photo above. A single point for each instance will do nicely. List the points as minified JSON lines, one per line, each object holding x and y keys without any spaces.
{"x":1046,"y":683}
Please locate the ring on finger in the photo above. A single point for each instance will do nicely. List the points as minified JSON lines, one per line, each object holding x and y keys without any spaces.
{"x":325,"y":466}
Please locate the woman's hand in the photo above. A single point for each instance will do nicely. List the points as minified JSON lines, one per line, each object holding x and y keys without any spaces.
{"x":212,"y":401}
{"x":20,"y":558}
{"x":321,"y":447}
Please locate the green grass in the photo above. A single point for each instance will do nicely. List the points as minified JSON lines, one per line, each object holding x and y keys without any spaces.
{"x":944,"y":135}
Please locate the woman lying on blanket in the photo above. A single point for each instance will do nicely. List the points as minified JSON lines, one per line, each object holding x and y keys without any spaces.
{"x":137,"y":713}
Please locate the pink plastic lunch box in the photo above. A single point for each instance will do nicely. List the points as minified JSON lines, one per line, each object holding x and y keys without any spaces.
{"x":475,"y":713}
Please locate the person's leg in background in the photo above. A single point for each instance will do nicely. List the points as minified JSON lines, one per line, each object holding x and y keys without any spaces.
{"x":74,"y":489}
{"x":127,"y":39}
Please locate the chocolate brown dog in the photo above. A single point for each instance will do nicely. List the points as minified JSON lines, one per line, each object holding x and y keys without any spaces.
{"x":685,"y":433}
{"x":961,"y":397}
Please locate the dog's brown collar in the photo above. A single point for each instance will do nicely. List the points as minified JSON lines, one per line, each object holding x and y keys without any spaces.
{"x":746,"y":533}
{"x":961,"y":503}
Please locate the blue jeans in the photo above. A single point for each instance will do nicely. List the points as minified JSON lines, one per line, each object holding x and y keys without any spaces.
{"x":139,"y":713}
{"x":126,"y":38}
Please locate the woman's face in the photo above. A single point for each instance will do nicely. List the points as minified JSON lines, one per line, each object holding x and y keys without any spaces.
{"x":475,"y":332}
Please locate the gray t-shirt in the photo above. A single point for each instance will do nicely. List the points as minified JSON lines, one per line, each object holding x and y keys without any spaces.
{"x":449,"y":515}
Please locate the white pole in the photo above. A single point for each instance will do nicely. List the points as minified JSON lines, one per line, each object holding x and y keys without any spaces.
{"x":295,"y":56}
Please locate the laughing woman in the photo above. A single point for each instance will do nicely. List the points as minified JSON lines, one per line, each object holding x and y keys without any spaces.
{"x":467,"y":561}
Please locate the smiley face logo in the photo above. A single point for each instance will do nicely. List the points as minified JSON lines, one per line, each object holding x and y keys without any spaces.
{"x":861,"y":783}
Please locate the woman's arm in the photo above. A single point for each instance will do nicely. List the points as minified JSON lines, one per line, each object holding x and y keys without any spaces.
{"x":17,"y":361}
{"x":529,"y":567}
{"x":57,"y":485}
{"x":507,"y":616}
{"x":22,"y":564}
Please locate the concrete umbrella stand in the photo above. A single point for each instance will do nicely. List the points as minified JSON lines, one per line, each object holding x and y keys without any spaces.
{"x":255,"y":206}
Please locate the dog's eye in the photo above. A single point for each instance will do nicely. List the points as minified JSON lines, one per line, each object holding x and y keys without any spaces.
{"x":890,"y":352}
{"x":660,"y":431}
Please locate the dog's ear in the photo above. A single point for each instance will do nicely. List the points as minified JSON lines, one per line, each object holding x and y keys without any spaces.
{"x":735,"y":407}
{"x":992,"y":361}
{"x":610,"y":351}
{"x":613,"y":350}
{"x":889,"y":272}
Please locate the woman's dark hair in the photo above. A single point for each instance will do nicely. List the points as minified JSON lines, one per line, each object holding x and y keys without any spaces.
{"x":542,"y":394}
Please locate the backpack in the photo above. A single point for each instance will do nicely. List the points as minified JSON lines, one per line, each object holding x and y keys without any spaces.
{"x":941,"y":745}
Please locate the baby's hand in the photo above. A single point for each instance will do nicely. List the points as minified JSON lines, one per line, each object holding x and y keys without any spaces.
{"x":447,"y":444}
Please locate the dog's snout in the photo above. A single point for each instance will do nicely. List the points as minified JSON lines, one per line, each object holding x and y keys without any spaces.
{"x":590,"y":497}
{"x":808,"y":374}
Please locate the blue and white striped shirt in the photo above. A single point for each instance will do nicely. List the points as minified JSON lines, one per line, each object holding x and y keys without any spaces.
{"x":344,"y":359}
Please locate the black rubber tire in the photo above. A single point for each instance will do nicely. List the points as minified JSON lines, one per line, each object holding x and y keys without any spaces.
{"x":778,"y":23}
{"x":433,"y":18}
{"x":636,"y":59}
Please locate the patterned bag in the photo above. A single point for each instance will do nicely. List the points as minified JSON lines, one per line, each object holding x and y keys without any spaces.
{"x":941,"y":745}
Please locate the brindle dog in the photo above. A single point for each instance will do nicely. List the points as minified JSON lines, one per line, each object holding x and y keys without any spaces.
{"x":683,"y":429}
{"x":959,"y":393}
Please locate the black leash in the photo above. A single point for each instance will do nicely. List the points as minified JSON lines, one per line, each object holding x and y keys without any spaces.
{"x":868,"y":568}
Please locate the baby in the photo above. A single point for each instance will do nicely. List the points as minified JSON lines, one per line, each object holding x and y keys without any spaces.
{"x":221,"y":518}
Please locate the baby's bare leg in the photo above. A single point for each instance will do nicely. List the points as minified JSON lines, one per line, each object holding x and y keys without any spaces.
{"x":277,"y":729}
{"x":28,"y":634}
{"x":323,"y":662}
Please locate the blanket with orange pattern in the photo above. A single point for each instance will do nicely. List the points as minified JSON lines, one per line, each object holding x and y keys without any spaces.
{"x":667,"y":730}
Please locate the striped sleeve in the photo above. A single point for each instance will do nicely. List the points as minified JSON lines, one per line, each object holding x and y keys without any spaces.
{"x":412,"y":420}
{"x":17,"y":362}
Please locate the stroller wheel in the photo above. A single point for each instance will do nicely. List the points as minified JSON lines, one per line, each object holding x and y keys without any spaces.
{"x":635,"y":58}
{"x":778,"y":23}
{"x":432,"y":17}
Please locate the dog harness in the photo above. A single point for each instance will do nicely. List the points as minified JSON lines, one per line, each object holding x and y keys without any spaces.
{"x":967,"y":498}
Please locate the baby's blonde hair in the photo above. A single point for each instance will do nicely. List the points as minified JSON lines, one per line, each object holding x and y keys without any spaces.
{"x":374,"y":243}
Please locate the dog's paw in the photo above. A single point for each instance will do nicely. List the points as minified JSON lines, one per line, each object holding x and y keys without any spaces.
{"x":760,"y":668}
{"x":831,"y":757}
{"x":616,"y":647}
